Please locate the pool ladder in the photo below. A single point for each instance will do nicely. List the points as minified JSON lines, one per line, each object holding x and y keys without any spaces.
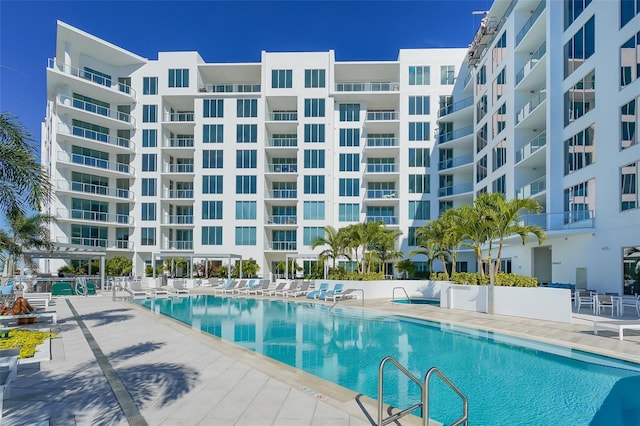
{"x":424,"y":392}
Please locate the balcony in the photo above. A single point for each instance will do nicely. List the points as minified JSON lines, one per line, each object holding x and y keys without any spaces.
{"x":382,"y":168}
{"x":282,"y":142}
{"x":282,"y":246}
{"x":531,"y":147}
{"x":282,"y":193}
{"x":448,"y":191}
{"x":382,"y":142}
{"x":94,"y":162}
{"x":98,"y":243}
{"x":560,"y":221}
{"x":368,"y":87}
{"x":185,"y":194}
{"x":282,"y":168}
{"x":455,"y":134}
{"x":382,"y":115}
{"x":177,"y":219}
{"x":532,"y":188}
{"x":230,"y":88}
{"x":93,"y":216}
{"x":177,"y":245}
{"x":97,"y":79}
{"x":382,"y":194}
{"x":177,"y":168}
{"x":455,"y":107}
{"x":97,"y":110}
{"x":450,"y":163}
{"x":530,"y":106}
{"x":86,"y":188}
{"x":387,"y":220}
{"x":529,"y":24}
{"x":531,"y":63}
{"x":178,"y":142}
{"x":96,"y":136}
{"x":281,"y":219}
{"x":283,"y":116}
{"x":179,"y":117}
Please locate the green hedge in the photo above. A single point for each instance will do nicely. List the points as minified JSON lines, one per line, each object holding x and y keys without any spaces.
{"x":354,"y":276}
{"x":501,"y":279}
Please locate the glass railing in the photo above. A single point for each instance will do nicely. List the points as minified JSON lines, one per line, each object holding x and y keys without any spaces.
{"x":179,"y":116}
{"x":231,"y":88}
{"x":535,"y":58}
{"x":559,"y":221}
{"x":455,"y":162}
{"x":532,"y":188}
{"x":92,"y":76}
{"x":455,"y":134}
{"x":178,"y":219}
{"x":382,"y":168}
{"x":95,"y":242}
{"x":282,"y":219}
{"x":282,"y":168}
{"x":177,"y":245}
{"x":381,"y":194}
{"x":456,"y":106}
{"x":455,"y":189}
{"x":387,"y":220}
{"x":87,"y":188}
{"x":96,"y":136}
{"x":532,"y":146}
{"x":283,"y":116}
{"x":282,"y":193}
{"x":382,"y":115}
{"x":179,"y":193}
{"x":533,"y":103}
{"x":178,"y":143}
{"x":94,"y":216}
{"x":282,"y":142}
{"x":85,"y":160}
{"x":382,"y":142}
{"x":282,"y":245}
{"x":368,"y":87}
{"x":178,"y":168}
{"x":532,"y":20}
{"x":95,"y":108}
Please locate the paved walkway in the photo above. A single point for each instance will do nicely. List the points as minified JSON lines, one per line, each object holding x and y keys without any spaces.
{"x":116,"y":363}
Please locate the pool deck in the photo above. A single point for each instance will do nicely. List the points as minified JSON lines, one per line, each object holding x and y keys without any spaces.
{"x":115,"y":363}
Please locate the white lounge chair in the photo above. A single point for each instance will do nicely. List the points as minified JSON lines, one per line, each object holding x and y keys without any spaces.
{"x":258,"y":288}
{"x":272,"y":291}
{"x":349,"y":293}
{"x":135,"y":289}
{"x":302,"y":290}
{"x":618,"y":326}
{"x":234,"y":286}
{"x":294,"y":285}
{"x":227,"y":285}
{"x":179,"y":288}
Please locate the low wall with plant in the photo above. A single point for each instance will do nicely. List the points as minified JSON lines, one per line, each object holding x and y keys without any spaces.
{"x":500,"y":279}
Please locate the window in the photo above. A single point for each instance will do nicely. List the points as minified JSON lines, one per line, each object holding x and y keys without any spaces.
{"x":149,"y":188}
{"x":443,"y":206}
{"x":349,"y":187}
{"x":314,"y":158}
{"x":247,"y":108}
{"x":313,"y":210}
{"x":481,"y":79}
{"x":580,"y":47}
{"x":149,"y":138}
{"x":149,"y":85}
{"x":348,"y":212}
{"x":314,"y":107}
{"x":419,"y":105}
{"x":500,"y":84}
{"x":573,"y":9}
{"x":149,"y":113}
{"x":481,"y":168}
{"x":630,"y":60}
{"x":97,"y":76}
{"x":579,"y":201}
{"x":419,"y":131}
{"x":580,"y":99}
{"x":212,"y":209}
{"x":213,"y":108}
{"x":629,"y":121}
{"x":212,"y":159}
{"x":212,"y":235}
{"x":481,"y":108}
{"x":212,"y":133}
{"x":499,"y":119}
{"x":314,"y":78}
{"x":499,"y":155}
{"x":212,"y":184}
{"x":247,"y":133}
{"x":419,"y":157}
{"x":411,"y":237}
{"x":314,"y":133}
{"x":628,"y":9}
{"x":499,"y":51}
{"x":349,"y":112}
{"x":579,"y":150}
{"x":148,"y":236}
{"x":246,"y":158}
{"x":311,"y":234}
{"x":245,"y":210}
{"x":447,"y":74}
{"x":629,"y":194}
{"x":281,"y":79}
{"x":245,"y":235}
{"x":419,"y":210}
{"x":349,"y":162}
{"x":419,"y":76}
{"x":419,"y":184}
{"x":179,"y":77}
{"x":314,"y":184}
{"x":148,"y":211}
{"x":246,"y":184}
{"x":481,"y":138}
{"x":284,"y":240}
{"x":149,"y":163}
{"x":499,"y":185}
{"x":349,"y":137}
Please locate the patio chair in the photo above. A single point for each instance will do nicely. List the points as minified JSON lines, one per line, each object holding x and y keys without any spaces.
{"x":605,"y":301}
{"x":248,"y":286}
{"x":630,"y":302}
{"x":294,"y":285}
{"x":233,"y":287}
{"x":135,"y":289}
{"x":256,"y":289}
{"x":585,"y":298}
{"x":302,"y":290}
{"x":272,"y":291}
{"x":62,"y":289}
{"x":315,"y":294}
{"x":349,"y":293}
{"x":336,"y":290}
{"x":228,"y":284}
{"x":179,"y":287}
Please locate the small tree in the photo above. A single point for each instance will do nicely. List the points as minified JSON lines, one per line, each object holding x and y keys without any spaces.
{"x":406,"y":267}
{"x":118,"y":266}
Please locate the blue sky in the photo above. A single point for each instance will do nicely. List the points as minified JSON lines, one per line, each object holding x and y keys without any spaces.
{"x":221,"y":31}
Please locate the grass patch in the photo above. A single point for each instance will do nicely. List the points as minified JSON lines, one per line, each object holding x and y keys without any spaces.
{"x":26,"y":340}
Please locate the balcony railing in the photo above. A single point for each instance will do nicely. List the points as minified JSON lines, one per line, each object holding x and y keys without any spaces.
{"x":282,"y":193}
{"x":91,"y":76}
{"x":177,"y":219}
{"x":532,"y":146}
{"x":231,"y":88}
{"x":283,"y":116}
{"x":178,"y":143}
{"x":532,"y":188}
{"x":94,"y":216}
{"x":178,"y":193}
{"x":178,"y":168}
{"x":455,"y":134}
{"x":282,"y":219}
{"x":532,"y":20}
{"x":95,"y":109}
{"x":560,"y":221}
{"x":535,"y":58}
{"x":368,"y":87}
{"x":179,"y":117}
{"x":282,"y":168}
{"x":387,"y":220}
{"x":177,"y":245}
{"x":95,"y":242}
{"x":382,"y":142}
{"x":85,"y":160}
{"x":282,"y":246}
{"x":455,"y":107}
{"x":455,"y":162}
{"x":282,"y":142}
{"x":531,"y":105}
{"x":96,"y":136}
{"x":382,"y":115}
{"x":382,"y":168}
{"x":382,"y":194}
{"x":87,"y":188}
{"x":455,"y":189}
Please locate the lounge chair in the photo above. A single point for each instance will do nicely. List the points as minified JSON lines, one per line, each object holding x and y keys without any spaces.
{"x":256,"y":289}
{"x":135,"y":289}
{"x":349,"y":293}
{"x":336,"y":290}
{"x":303,"y":290}
{"x":228,"y":284}
{"x":179,"y":288}
{"x":249,"y":285}
{"x":272,"y":291}
{"x":236,"y":285}
{"x":62,"y":289}
{"x":315,"y":294}
{"x":34,"y":317}
{"x":618,"y":326}
{"x":295,"y":284}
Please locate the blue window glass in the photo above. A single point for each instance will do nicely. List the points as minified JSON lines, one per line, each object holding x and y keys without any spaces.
{"x":212,"y":184}
{"x":179,"y":77}
{"x":247,"y":108}
{"x":212,"y":209}
{"x":349,"y":137}
{"x":246,"y":158}
{"x":349,"y":162}
{"x":314,"y":78}
{"x":213,"y":108}
{"x":149,"y":163}
{"x":148,"y":236}
{"x":314,"y":184}
{"x":314,"y":210}
{"x":314,"y":133}
{"x":314,"y":158}
{"x":246,"y":184}
{"x":349,"y":212}
{"x":247,"y":133}
{"x":149,"y":187}
{"x":148,"y":211}
{"x":349,"y":187}
{"x":419,"y":131}
{"x":281,"y":79}
{"x":149,"y":85}
{"x":212,"y":133}
{"x":419,"y":210}
{"x":245,"y":235}
{"x":149,"y":138}
{"x":246,"y":210}
{"x":314,"y":107}
{"x":212,"y":235}
{"x":149,"y":113}
{"x":212,"y":158}
{"x":311,"y":234}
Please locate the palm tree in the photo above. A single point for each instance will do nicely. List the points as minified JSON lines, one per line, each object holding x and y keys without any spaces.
{"x":406,"y":267}
{"x":335,"y":245}
{"x":475,"y":230}
{"x":384,"y":247}
{"x":431,"y":239}
{"x":25,"y":233}
{"x":452,"y":222}
{"x":23,"y":182}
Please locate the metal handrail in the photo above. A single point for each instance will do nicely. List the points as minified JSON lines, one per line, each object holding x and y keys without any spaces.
{"x":425,"y":395}
{"x":394,"y":417}
{"x":393,"y":295}
{"x":347,"y":291}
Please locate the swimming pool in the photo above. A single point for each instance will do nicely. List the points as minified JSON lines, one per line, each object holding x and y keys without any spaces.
{"x":417,"y":301}
{"x":507,"y":380}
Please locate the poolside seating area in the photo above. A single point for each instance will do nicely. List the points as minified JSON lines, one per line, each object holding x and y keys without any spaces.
{"x":603,"y":303}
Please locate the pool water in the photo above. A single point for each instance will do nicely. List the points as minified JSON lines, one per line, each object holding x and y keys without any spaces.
{"x":508,"y":381}
{"x":414,"y":301}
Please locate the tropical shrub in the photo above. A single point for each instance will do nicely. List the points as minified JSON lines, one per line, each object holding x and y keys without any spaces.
{"x":501,"y":279}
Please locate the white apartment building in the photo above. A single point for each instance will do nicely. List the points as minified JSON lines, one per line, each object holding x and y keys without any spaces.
{"x":183,"y":158}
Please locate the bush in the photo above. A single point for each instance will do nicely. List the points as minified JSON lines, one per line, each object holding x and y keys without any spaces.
{"x":339,"y":274}
{"x":501,"y":279}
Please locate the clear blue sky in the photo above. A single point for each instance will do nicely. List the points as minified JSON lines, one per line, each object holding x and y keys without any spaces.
{"x":221,"y":31}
